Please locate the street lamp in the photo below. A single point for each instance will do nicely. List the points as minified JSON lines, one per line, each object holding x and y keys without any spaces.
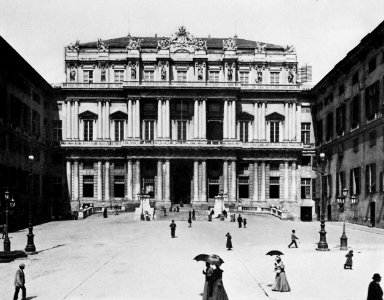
{"x":322,"y":244}
{"x":30,"y":245}
{"x":341,"y":202}
{"x":9,"y":203}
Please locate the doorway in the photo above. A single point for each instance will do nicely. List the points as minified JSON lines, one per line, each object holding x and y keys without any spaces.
{"x":306,"y":213}
{"x":181,"y":181}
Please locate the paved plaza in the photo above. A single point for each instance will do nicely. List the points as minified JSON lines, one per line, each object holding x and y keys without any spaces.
{"x":119,"y":258}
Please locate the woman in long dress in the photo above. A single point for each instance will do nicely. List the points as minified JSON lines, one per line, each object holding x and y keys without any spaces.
{"x":229,"y":241}
{"x":218,"y":292}
{"x":281,"y":282}
{"x":208,"y":274}
{"x":348,"y":263}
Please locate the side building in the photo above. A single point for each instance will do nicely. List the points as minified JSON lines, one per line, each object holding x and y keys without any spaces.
{"x":182,"y":119}
{"x":27,"y":128}
{"x":348,"y":110}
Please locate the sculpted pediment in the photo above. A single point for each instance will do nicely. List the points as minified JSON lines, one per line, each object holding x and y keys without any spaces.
{"x":119,"y":115}
{"x":275,"y":116}
{"x":181,"y":40}
{"x":88,"y":115}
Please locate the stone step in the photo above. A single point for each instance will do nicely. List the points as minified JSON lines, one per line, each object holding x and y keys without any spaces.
{"x":200,"y":215}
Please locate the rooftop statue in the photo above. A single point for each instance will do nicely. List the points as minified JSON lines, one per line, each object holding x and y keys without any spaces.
{"x":290,"y":49}
{"x":74,"y":46}
{"x":260,"y":47}
{"x":181,"y":39}
{"x":229,"y":44}
{"x":133,"y":44}
{"x":102,"y":46}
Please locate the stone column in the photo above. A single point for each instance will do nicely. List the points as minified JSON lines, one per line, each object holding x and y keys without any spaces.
{"x":167,"y":120}
{"x":129,"y":180}
{"x":200,"y":109}
{"x":99,"y":120}
{"x":107,"y":197}
{"x":233,"y":181}
{"x":76,"y":120}
{"x":262,"y":189}
{"x":167,"y":181}
{"x":255,"y":181}
{"x":255,"y":122}
{"x":204,"y":181}
{"x":138,"y":122}
{"x":159,"y":180}
{"x":159,"y":119}
{"x":69,"y":179}
{"x":225,"y":120}
{"x":76,"y":180}
{"x":225,"y":177}
{"x":196,"y":120}
{"x":99,"y":181}
{"x":294,"y":182}
{"x":195,"y":181}
{"x":230,"y":120}
{"x":106,"y":120}
{"x":204,"y":117}
{"x":137,"y":179}
{"x":134,"y":119}
{"x":130,"y":123}
{"x":294,"y":122}
{"x":234,"y":123}
{"x":263,"y":122}
{"x":286,"y":181}
{"x":298,"y":123}
{"x":290,"y":128}
{"x":286,"y":122}
{"x":68,"y":127}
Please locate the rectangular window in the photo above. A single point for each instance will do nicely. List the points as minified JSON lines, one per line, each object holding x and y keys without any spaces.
{"x":372,"y":138}
{"x":370,"y":178}
{"x":36,"y":123}
{"x":341,"y":89}
{"x":354,"y":181}
{"x":88,"y":186}
{"x":305,"y":133}
{"x":149,"y":75}
{"x":88,"y":76}
{"x":274,"y":187}
{"x":57,"y":130}
{"x":328,"y":99}
{"x":181,"y":130}
{"x":119,"y":130}
{"x":355,"y":78}
{"x":181,"y":75}
{"x":243,"y":187}
{"x":372,"y":64}
{"x":305,"y":109}
{"x":244,"y":131}
{"x":103,"y":77}
{"x":36,"y":97}
{"x":274,"y":132}
{"x":340,"y":183}
{"x":355,"y":111}
{"x":148,"y":130}
{"x":87,"y":165}
{"x":275,"y":78}
{"x":355,"y":143}
{"x":274,"y":166}
{"x":119,"y":186}
{"x":340,"y":120}
{"x":305,"y":188}
{"x":119,"y":166}
{"x":329,"y":126}
{"x":119,"y":75}
{"x":244,"y":77}
{"x":329,"y":186}
{"x":88,"y":130}
{"x":372,"y":101}
{"x":214,"y":76}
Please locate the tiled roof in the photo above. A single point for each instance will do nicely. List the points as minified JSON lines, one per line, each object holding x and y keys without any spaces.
{"x":212,"y":43}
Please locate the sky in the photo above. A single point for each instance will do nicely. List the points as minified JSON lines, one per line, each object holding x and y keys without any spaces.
{"x":322,"y":31}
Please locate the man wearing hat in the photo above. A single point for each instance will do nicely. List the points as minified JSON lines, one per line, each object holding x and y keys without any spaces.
{"x":374,"y":290}
{"x":20,"y":282}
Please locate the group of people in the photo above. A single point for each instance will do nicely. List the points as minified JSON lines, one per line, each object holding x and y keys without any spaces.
{"x":213,"y":286}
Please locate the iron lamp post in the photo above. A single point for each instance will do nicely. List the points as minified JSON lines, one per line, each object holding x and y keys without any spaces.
{"x":9,"y":202}
{"x":30,"y":245}
{"x":341,"y":202}
{"x":322,"y":245}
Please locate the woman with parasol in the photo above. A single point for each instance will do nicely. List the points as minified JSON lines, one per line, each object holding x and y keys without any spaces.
{"x":208,"y":274}
{"x":281,"y":282}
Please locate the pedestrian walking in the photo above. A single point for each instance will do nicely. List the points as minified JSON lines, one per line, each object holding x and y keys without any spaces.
{"x":20,"y":283}
{"x":173,"y":228}
{"x":190,"y":221}
{"x":193,"y":215}
{"x":293,"y":239}
{"x":208,"y":274}
{"x":374,"y":289}
{"x":190,"y":214}
{"x":281,"y":282}
{"x":348,"y":263}
{"x":105,"y":213}
{"x":245,"y":223}
{"x":229,"y":241}
{"x":218,"y":291}
{"x":240,"y":221}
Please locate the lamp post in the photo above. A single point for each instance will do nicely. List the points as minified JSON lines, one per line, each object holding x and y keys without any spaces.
{"x":341,"y":202}
{"x":30,"y":245}
{"x":322,"y":244}
{"x":9,"y":203}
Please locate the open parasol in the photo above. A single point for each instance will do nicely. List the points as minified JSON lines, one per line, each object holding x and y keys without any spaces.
{"x":274,"y":252}
{"x":210,"y":258}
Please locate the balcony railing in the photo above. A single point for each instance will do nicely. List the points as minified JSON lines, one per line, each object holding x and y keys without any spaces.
{"x":181,"y":144}
{"x":183,"y":84}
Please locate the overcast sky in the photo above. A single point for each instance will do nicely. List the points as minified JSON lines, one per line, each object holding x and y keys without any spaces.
{"x":322,"y":31}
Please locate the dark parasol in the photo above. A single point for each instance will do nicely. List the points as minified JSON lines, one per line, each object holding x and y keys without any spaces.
{"x":275,"y":252}
{"x":210,"y":258}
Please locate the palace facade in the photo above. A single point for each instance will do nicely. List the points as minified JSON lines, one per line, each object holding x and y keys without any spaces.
{"x":182,"y":118}
{"x":348,"y":110}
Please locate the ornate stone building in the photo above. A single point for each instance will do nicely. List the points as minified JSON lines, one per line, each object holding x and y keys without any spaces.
{"x":183,"y":118}
{"x":348,"y":104}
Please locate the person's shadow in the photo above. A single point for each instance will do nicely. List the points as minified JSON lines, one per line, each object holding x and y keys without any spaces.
{"x":31,"y":297}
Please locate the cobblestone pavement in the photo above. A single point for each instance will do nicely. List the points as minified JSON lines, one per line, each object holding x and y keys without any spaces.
{"x":118,"y":258}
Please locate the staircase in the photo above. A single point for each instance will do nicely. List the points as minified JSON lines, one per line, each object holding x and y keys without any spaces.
{"x":201,"y":214}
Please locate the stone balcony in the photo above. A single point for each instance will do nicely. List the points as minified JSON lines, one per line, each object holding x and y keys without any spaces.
{"x":198,"y":143}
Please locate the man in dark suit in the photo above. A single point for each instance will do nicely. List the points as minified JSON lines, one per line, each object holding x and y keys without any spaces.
{"x":20,"y":282}
{"x":374,"y":290}
{"x":240,"y":221}
{"x":173,"y":228}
